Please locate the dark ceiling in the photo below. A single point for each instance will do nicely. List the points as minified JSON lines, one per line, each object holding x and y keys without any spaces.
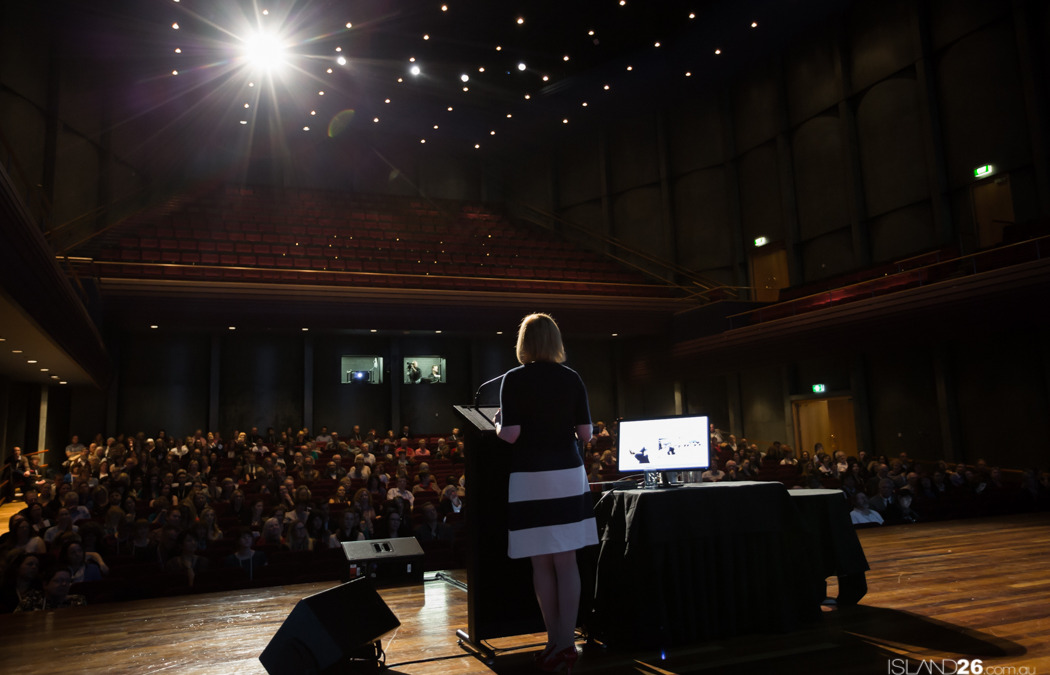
{"x":172,"y":90}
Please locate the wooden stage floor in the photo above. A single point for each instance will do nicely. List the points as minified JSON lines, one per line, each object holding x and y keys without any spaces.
{"x":977,"y":589}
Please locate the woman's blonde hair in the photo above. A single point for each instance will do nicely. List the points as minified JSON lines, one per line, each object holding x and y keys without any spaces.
{"x":539,"y":340}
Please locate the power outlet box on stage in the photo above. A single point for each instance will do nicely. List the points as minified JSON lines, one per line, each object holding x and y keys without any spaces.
{"x":389,"y":562}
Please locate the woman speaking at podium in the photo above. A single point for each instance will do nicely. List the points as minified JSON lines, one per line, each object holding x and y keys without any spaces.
{"x":544,"y":411}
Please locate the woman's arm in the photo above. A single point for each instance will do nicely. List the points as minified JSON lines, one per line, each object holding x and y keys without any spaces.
{"x":583,"y":432}
{"x":508,"y":433}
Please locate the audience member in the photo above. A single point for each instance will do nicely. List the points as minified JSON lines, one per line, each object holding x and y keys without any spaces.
{"x":53,"y":592}
{"x":861,"y":513}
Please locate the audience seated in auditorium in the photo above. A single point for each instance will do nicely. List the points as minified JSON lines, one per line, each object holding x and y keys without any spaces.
{"x":862,"y":514}
{"x":136,"y":499}
{"x":432,"y":528}
{"x":21,"y":576}
{"x":245,"y":557}
{"x":53,"y":592}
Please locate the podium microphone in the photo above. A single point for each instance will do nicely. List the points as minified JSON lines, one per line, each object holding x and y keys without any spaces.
{"x":482,"y":386}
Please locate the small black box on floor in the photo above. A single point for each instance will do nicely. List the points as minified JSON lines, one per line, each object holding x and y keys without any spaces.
{"x":389,"y":562}
{"x":334,"y":631}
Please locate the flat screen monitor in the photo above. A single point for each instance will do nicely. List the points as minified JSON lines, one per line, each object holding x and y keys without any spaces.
{"x":665,"y":444}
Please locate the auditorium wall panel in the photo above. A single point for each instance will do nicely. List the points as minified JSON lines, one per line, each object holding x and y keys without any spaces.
{"x":828,"y":255}
{"x":982,"y":103}
{"x":531,"y":181}
{"x":87,"y":414}
{"x":762,"y":403}
{"x":709,"y":396}
{"x":260,"y":381}
{"x":78,"y":169}
{"x":427,"y":408}
{"x":450,"y":177}
{"x":811,"y":83}
{"x":898,"y":234}
{"x":756,"y":106}
{"x":1004,"y":409}
{"x":695,"y":133}
{"x":638,"y":221}
{"x":893,"y":164}
{"x":579,"y":170}
{"x":760,"y":206}
{"x":953,"y":19}
{"x":587,"y":215}
{"x":831,"y":371}
{"x":903,"y":403}
{"x":703,"y":238}
{"x":881,"y":40}
{"x":340,"y":406}
{"x":163,"y":383}
{"x":594,"y":360}
{"x":821,"y":190}
{"x":18,"y":427}
{"x":634,"y":153}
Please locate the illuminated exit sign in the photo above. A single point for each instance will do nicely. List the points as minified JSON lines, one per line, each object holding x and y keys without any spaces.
{"x":983,"y":171}
{"x":818,"y":388}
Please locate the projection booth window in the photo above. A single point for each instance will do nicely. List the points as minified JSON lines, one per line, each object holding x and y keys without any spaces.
{"x":424,"y":370}
{"x":361,"y":370}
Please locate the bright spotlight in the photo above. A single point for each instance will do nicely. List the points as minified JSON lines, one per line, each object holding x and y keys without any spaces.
{"x":521,"y":66}
{"x":264,"y":52}
{"x":414,"y":70}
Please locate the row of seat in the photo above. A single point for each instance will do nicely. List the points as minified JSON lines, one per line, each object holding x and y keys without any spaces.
{"x":373,"y":273}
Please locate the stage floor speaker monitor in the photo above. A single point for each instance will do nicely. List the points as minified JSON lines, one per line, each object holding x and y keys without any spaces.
{"x":327,"y":631}
{"x":389,"y":562}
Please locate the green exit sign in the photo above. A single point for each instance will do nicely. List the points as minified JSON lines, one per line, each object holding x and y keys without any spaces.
{"x":818,"y":388}
{"x":983,"y":171}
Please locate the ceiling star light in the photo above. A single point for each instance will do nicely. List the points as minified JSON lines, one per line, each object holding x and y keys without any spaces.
{"x":265,"y":52}
{"x":341,"y":60}
{"x":521,"y":66}
{"x":414,"y":70}
{"x":464,"y":77}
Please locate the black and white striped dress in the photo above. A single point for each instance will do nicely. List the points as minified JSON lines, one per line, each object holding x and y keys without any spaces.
{"x":550,"y":508}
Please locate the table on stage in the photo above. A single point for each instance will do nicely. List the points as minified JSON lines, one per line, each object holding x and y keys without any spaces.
{"x":678,"y":566}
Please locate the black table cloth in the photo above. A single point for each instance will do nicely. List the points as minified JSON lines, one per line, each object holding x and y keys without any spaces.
{"x":681,"y":565}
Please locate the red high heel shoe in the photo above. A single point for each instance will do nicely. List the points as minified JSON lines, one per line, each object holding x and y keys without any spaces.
{"x":565,"y":658}
{"x":540,"y":657}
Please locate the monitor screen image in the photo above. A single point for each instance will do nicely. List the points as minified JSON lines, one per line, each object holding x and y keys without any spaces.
{"x":664,"y":444}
